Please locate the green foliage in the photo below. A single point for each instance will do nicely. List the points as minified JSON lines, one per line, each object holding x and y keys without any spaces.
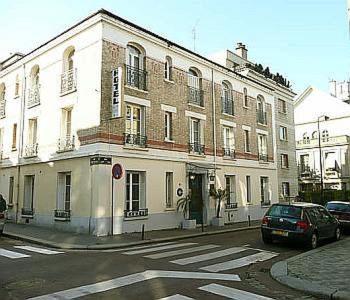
{"x":183,"y":204}
{"x":219,"y":195}
{"x":266,"y":72}
{"x":328,"y":195}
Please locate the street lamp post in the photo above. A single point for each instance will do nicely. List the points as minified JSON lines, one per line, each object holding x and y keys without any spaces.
{"x":325,"y":118}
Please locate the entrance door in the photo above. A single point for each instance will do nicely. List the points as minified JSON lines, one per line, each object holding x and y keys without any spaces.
{"x":196,"y":205}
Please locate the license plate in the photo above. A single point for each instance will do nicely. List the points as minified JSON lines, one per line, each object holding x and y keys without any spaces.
{"x":280,"y":232}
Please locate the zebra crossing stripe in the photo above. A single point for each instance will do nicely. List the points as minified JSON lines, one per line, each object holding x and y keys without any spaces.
{"x":38,"y":250}
{"x":158,"y":248}
{"x":208,"y":256}
{"x":181,"y":251}
{"x":12,"y":254}
{"x":138,"y":247}
{"x":239,"y":262}
{"x":177,"y":297}
{"x":231,"y":293}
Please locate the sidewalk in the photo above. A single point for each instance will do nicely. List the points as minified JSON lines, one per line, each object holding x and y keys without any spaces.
{"x":66,"y":240}
{"x":322,"y":272}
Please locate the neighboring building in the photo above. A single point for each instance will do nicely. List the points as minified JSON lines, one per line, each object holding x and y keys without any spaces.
{"x":107,"y":91}
{"x":340,"y":90}
{"x":334,"y":119}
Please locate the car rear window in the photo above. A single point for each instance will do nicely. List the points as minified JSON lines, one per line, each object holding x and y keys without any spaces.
{"x":285,"y":211}
{"x":338,"y":207}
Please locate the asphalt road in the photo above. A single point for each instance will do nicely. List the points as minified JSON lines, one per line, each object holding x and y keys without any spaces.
{"x":25,"y":273}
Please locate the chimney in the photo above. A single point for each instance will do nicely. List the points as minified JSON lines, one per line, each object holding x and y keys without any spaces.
{"x":242,"y":51}
{"x":333,"y":88}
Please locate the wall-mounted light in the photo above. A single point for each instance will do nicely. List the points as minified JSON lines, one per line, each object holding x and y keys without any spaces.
{"x":192,"y":177}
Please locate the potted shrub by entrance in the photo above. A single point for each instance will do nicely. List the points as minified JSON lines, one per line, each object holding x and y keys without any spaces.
{"x":183,"y":205}
{"x":219,"y":195}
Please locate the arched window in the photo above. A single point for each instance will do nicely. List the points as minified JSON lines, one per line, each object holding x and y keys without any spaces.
{"x":168,"y":68}
{"x":17,"y":86}
{"x":2,"y":92}
{"x":245,"y":98}
{"x":136,"y":65}
{"x":35,"y":76}
{"x":68,"y":77}
{"x":314,"y":135}
{"x":194,"y":82}
{"x":261,"y":103}
{"x":325,"y":136}
{"x":226,"y":97}
{"x":306,"y":139}
{"x":68,"y":59}
{"x":136,"y":56}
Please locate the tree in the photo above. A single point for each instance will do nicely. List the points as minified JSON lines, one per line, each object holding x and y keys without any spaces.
{"x":219,"y":195}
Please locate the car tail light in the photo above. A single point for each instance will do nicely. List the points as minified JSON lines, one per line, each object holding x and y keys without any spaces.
{"x":2,"y":215}
{"x":303,"y":225}
{"x":265,"y":221}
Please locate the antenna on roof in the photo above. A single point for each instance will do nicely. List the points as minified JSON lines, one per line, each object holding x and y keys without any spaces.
{"x":194,"y":35}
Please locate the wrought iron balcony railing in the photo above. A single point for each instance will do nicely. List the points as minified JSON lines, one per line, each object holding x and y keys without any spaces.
{"x":263,"y":157}
{"x":232,"y":205}
{"x":227,"y":104}
{"x":27,"y":212}
{"x":229,"y":152}
{"x":135,"y":140}
{"x":62,"y":215}
{"x":68,"y":81}
{"x":66,"y":144}
{"x":142,"y":212}
{"x":33,"y":96}
{"x":261,"y":116}
{"x":2,"y":109}
{"x":136,"y":78}
{"x":196,"y":148}
{"x":195,"y":96}
{"x":330,"y":141}
{"x":31,"y":150}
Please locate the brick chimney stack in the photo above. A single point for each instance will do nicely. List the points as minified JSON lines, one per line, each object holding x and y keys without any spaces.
{"x":242,"y":51}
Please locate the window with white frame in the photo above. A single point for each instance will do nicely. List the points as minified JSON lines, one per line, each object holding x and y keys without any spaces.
{"x":14,"y":137}
{"x":264,"y":190}
{"x":245,"y":98}
{"x":17,"y":86}
{"x":28,"y":203}
{"x":134,"y":119}
{"x":168,"y":126}
{"x":32,"y":131}
{"x":282,"y":106}
{"x":246,"y":140}
{"x":283,"y":133}
{"x":168,"y":68}
{"x":284,"y":161}
{"x":196,"y":136}
{"x":169,"y":189}
{"x":135,"y":191}
{"x":64,"y":186}
{"x":285,"y":189}
{"x":11,"y":190}
{"x":230,"y":181}
{"x":248,"y":189}
{"x":262,"y":147}
{"x":66,"y":126}
{"x":228,"y":139}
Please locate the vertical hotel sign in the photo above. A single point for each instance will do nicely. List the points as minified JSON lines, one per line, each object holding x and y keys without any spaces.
{"x":116,"y":92}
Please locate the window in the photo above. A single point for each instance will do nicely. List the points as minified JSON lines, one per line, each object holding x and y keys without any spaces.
{"x":66,"y":127}
{"x":17,"y":86}
{"x":230,"y":181}
{"x":246,"y":141}
{"x":304,"y":163}
{"x":34,"y":91}
{"x":331,"y":163}
{"x":33,"y":127}
{"x":227,"y":98}
{"x":245,"y":98}
{"x":168,"y":126}
{"x":196,"y":136}
{"x":11,"y":190}
{"x":64,"y":191}
{"x":168,"y":68}
{"x":135,"y":191}
{"x":264,"y":190}
{"x":285,"y":189}
{"x":283,"y":133}
{"x":169,"y":189}
{"x":228,"y":139}
{"x":306,"y":139}
{"x":135,"y":126}
{"x":284,"y":161}
{"x":136,"y":65}
{"x":14,"y":136}
{"x":314,"y":135}
{"x":325,"y":136}
{"x":260,"y":112}
{"x":282,"y":106}
{"x":195,"y":93}
{"x":262,"y":147}
{"x":248,"y":187}
{"x":68,"y":76}
{"x":28,"y":203}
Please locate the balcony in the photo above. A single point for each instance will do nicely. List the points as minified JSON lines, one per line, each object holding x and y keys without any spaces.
{"x":263,"y":157}
{"x":68,"y":82}
{"x":31,"y":150}
{"x":305,"y":171}
{"x":227,"y":104}
{"x":229,"y":153}
{"x":232,"y":205}
{"x":33,"y":96}
{"x":136,"y":78}
{"x":196,"y":148}
{"x":2,"y":109}
{"x":62,"y":215}
{"x":142,"y":212}
{"x":27,"y":212}
{"x":137,"y":140}
{"x":330,"y":141}
{"x":66,"y":144}
{"x":261,"y":117}
{"x":195,"y":96}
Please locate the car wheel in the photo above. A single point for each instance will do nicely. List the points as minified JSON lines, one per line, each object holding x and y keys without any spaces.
{"x":337,"y":234}
{"x":267,"y":239}
{"x":313,"y":243}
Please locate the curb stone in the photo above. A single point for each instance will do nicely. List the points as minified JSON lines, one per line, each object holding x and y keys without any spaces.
{"x":120,"y":245}
{"x":279,"y":272}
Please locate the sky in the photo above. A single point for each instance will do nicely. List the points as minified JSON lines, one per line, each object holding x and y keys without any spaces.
{"x":305,"y":40}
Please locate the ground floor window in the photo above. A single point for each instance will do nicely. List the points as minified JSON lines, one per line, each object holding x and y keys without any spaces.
{"x":28,"y":203}
{"x":230,"y":181}
{"x":11,"y":189}
{"x":135,"y":191}
{"x":285,"y":189}
{"x":64,"y":191}
{"x":264,"y":190}
{"x":249,"y":192}
{"x":169,"y":189}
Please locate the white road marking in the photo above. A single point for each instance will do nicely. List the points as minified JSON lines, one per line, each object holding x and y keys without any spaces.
{"x":239,"y":262}
{"x":131,"y":279}
{"x":38,"y":250}
{"x":138,"y":247}
{"x":12,"y":254}
{"x":177,"y":297}
{"x":231,"y":293}
{"x":208,"y":256}
{"x":158,"y":248}
{"x":181,"y":251}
